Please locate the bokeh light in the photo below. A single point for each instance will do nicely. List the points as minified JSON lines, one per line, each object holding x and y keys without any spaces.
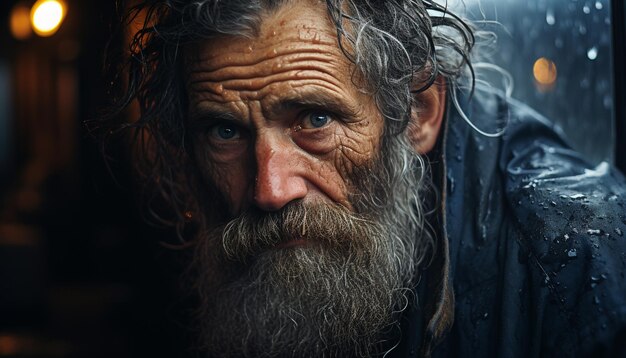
{"x":47,"y":16}
{"x":544,"y":71}
{"x":20,"y":22}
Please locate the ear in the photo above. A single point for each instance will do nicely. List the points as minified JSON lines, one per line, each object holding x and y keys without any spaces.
{"x":427,"y":116}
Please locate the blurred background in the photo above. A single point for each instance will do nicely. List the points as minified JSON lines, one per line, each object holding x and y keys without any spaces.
{"x":82,"y":276}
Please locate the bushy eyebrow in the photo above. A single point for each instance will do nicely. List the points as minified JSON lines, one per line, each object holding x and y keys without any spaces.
{"x":202,"y":118}
{"x":319,"y":101}
{"x":316,"y":100}
{"x":312,"y":100}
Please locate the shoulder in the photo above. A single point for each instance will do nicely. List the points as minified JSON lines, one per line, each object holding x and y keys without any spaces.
{"x":572,"y":220}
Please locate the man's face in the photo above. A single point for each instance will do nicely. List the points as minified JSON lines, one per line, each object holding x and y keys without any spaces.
{"x":320,"y":237}
{"x":283,"y":119}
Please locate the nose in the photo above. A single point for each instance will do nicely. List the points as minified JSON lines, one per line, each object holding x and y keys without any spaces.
{"x":279,"y":176}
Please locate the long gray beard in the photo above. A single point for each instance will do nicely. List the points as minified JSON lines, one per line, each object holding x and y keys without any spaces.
{"x":334,"y":296}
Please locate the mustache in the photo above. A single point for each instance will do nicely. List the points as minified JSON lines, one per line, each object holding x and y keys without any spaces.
{"x":322,"y":223}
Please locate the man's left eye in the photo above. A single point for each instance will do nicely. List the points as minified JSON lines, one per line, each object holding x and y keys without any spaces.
{"x":316,"y":120}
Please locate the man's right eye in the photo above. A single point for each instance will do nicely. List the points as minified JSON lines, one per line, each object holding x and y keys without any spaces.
{"x":225,"y":131}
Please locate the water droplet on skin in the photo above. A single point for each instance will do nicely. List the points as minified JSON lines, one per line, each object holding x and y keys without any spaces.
{"x":592,"y":53}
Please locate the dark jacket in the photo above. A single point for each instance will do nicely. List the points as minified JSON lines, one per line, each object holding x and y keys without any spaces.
{"x":535,"y":243}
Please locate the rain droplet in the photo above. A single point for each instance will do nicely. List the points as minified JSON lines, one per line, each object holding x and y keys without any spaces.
{"x":585,"y":83}
{"x":571,"y":253}
{"x":596,"y":300}
{"x":586,"y":9}
{"x":558,"y":42}
{"x":598,"y":5}
{"x":594,"y":231}
{"x":596,"y":280}
{"x":552,"y":203}
{"x":619,"y":232}
{"x":550,"y":17}
{"x":577,"y":196}
{"x":592,"y":53}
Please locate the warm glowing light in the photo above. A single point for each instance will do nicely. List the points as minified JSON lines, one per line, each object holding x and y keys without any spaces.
{"x":544,"y":71}
{"x":20,"y":22}
{"x":46,"y":16}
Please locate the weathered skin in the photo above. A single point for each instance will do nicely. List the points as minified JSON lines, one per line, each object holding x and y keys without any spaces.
{"x":266,"y":90}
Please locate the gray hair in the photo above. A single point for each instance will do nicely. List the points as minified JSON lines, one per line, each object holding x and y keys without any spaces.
{"x":399,"y":48}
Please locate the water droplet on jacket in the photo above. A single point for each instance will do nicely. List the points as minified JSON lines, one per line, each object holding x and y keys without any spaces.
{"x":577,"y":196}
{"x":552,"y":203}
{"x":619,"y":232}
{"x":596,"y":300}
{"x":450,"y":183}
{"x":459,"y":158}
{"x":598,"y":5}
{"x":586,"y":9}
{"x":594,"y":232}
{"x":571,"y":253}
{"x":566,"y":237}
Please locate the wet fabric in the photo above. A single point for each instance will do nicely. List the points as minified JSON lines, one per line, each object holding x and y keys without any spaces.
{"x":536,"y":239}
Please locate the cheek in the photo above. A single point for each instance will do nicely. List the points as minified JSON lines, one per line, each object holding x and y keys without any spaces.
{"x":356,"y":149}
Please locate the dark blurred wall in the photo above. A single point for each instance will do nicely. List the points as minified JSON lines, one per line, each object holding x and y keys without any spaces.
{"x":80,"y":275}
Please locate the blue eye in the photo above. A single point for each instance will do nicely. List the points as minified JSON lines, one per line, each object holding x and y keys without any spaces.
{"x":225,"y":131}
{"x":318,"y":119}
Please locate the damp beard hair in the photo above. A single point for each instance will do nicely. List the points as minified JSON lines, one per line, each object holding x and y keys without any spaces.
{"x":336,"y":295}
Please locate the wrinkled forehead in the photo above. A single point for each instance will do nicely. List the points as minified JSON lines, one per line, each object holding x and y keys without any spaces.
{"x":295,"y":27}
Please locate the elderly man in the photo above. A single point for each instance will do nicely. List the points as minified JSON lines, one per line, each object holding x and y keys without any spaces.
{"x":341,"y":200}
